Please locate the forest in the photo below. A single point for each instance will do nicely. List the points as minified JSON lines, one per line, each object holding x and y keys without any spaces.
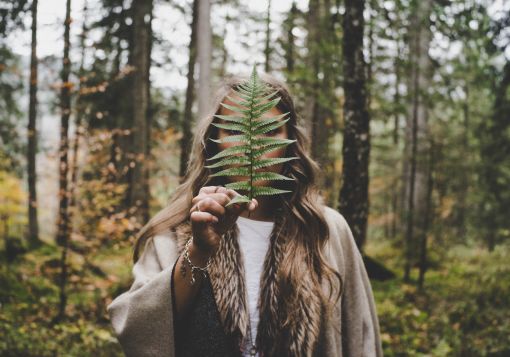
{"x":406,"y":104}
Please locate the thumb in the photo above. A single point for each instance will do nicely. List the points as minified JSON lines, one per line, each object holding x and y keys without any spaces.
{"x":253,"y":205}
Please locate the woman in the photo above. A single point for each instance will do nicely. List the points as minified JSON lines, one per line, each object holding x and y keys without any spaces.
{"x":280,"y":276}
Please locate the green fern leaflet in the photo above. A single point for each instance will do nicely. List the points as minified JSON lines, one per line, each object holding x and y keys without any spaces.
{"x":251,"y":129}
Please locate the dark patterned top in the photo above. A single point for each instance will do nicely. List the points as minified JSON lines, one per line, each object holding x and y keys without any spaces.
{"x":201,"y":334}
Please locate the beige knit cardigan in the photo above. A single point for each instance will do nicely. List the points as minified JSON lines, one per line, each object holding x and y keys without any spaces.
{"x":142,"y":317}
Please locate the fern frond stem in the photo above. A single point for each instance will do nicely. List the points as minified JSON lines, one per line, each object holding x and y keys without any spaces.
{"x":252,"y":104}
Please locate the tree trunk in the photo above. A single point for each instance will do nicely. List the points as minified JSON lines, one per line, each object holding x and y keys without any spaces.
{"x":356,"y":145}
{"x":396,"y":134}
{"x":267,"y":49}
{"x":312,"y":68}
{"x":149,"y":115}
{"x":320,"y":87}
{"x":33,"y":226}
{"x":121,"y":133}
{"x":224,"y":51}
{"x":423,"y":266}
{"x":494,"y":148}
{"x":328,"y":102}
{"x":417,"y":134}
{"x":78,"y":130}
{"x":290,"y":23}
{"x":204,"y":56}
{"x":142,"y":15}
{"x":63,"y":213}
{"x":190,"y":95}
{"x":370,"y":62}
{"x":464,"y":179}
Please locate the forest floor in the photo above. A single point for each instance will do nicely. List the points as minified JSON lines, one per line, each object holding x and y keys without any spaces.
{"x":464,"y":309}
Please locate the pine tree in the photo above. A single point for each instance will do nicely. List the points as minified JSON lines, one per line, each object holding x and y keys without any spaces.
{"x":33,"y":225}
{"x":356,"y":146}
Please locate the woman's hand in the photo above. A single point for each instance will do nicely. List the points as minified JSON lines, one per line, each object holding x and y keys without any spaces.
{"x":210,"y":219}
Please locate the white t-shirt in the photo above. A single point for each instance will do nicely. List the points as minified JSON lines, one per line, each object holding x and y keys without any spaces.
{"x":254,"y":239}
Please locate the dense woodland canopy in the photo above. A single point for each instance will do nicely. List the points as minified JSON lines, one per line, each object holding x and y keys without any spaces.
{"x":406,"y":104}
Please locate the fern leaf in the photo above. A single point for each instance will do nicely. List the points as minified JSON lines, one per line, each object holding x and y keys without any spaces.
{"x":236,"y":127}
{"x":270,"y":162}
{"x":266,"y":176}
{"x":259,"y":152}
{"x":239,"y":149}
{"x":259,"y":123}
{"x":269,"y":96}
{"x":231,"y":118}
{"x":242,"y":103}
{"x":234,"y":160}
{"x":264,"y":107}
{"x":240,"y":185}
{"x":238,"y":199}
{"x":267,"y":191}
{"x":252,"y":100}
{"x":231,"y":139}
{"x":268,"y":128}
{"x":234,"y":171}
{"x":262,"y":142}
{"x":236,"y":109}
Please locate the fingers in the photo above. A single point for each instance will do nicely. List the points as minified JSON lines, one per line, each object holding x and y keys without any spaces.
{"x":213,"y":199}
{"x":209,"y":204}
{"x":214,"y":189}
{"x":219,"y":193}
{"x":203,"y":217}
{"x":221,"y":198}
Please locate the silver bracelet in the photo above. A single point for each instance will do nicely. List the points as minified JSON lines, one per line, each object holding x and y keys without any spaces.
{"x":193,"y":266}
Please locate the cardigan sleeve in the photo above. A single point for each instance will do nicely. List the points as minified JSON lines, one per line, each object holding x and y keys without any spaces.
{"x":142,"y":317}
{"x":360,"y":325}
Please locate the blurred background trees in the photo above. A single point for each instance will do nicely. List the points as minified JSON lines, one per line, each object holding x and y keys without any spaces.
{"x":406,"y":104}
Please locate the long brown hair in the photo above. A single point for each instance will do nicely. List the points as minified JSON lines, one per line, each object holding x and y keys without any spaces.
{"x":302,"y":224}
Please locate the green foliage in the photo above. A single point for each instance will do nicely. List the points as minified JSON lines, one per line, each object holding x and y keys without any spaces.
{"x":463,"y":310}
{"x":29,"y":301}
{"x":494,"y":135}
{"x":78,"y":339}
{"x":12,"y":205}
{"x":11,"y":87}
{"x":255,"y":100}
{"x":100,"y":217}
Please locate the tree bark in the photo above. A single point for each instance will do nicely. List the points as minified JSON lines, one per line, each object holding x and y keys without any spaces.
{"x":140,"y":195}
{"x":423,"y":265}
{"x":63,"y":215}
{"x":190,"y":94}
{"x":464,"y":179}
{"x":328,"y":102}
{"x":204,"y":56}
{"x":267,"y":49}
{"x":312,"y":68}
{"x":396,"y":135}
{"x":224,"y":50}
{"x":417,"y":133}
{"x":78,"y":130}
{"x":33,"y":226}
{"x":290,"y":23}
{"x":494,"y":147}
{"x":320,"y":87}
{"x":356,"y":145}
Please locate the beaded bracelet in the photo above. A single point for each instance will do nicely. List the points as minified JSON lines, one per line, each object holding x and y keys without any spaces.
{"x":192,"y":266}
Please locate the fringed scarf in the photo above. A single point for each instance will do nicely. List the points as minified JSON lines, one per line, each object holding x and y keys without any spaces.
{"x":299,"y":336}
